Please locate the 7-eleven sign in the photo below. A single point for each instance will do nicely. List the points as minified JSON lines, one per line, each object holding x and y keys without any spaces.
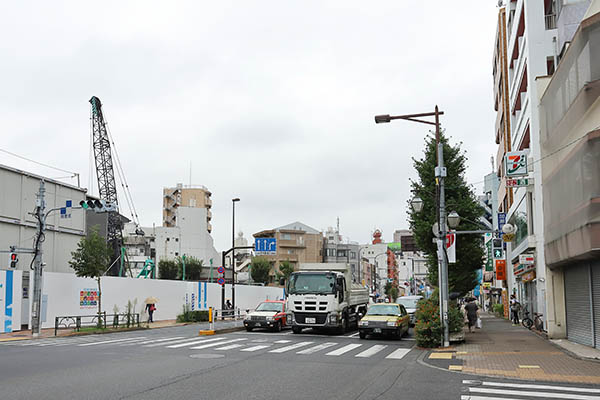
{"x":451,"y":247}
{"x":515,"y":163}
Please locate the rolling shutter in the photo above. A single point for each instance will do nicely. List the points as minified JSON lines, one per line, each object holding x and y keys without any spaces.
{"x":596,"y":300}
{"x":577,"y":293}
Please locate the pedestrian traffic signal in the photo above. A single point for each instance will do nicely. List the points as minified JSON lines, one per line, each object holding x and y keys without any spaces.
{"x":497,"y":248}
{"x":14,"y":259}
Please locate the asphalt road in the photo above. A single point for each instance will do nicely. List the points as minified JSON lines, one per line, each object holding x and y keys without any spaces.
{"x":174,"y":363}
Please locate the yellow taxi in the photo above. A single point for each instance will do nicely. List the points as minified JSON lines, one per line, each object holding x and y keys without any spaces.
{"x":384,"y":318}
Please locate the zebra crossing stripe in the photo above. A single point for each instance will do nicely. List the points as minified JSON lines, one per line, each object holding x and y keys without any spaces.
{"x":343,"y":350}
{"x":290,"y":347}
{"x":111,"y":341}
{"x":255,"y":348}
{"x":371,"y":351}
{"x":530,"y":386}
{"x":172,"y":342}
{"x":546,"y":395}
{"x":316,"y":348}
{"x":398,"y":354}
{"x":176,"y":346}
{"x":231,"y":346}
{"x":282,"y":341}
{"x":153,"y":341}
{"x":205,"y":346}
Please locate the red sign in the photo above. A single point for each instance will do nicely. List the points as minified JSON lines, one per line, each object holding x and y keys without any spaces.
{"x":500,"y":270}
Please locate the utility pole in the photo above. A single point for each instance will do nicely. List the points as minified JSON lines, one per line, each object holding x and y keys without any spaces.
{"x":36,"y":307}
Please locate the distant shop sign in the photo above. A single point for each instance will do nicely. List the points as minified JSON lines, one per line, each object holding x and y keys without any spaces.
{"x":526,"y":259}
{"x":521,"y":269}
{"x":515,"y":163}
{"x":517,"y":182}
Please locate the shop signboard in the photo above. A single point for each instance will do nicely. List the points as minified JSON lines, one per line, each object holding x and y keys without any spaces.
{"x":500,"y":270}
{"x":527,"y":259}
{"x":528,"y":277}
{"x":515,"y":164}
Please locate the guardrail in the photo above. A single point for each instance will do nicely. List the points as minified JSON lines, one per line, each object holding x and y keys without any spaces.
{"x":100,"y":320}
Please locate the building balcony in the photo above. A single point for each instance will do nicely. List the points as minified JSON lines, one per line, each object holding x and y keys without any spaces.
{"x":291,"y":243}
{"x":208,"y":202}
{"x":550,"y":21}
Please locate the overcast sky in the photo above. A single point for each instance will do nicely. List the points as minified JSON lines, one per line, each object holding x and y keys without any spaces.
{"x":270,"y":101}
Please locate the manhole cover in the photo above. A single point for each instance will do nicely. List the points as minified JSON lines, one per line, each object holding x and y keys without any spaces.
{"x":207,"y":355}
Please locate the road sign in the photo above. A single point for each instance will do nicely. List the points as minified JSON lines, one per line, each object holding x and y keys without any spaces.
{"x":517,"y":182}
{"x":265,"y":246}
{"x":221,"y":270}
{"x":221,"y":281}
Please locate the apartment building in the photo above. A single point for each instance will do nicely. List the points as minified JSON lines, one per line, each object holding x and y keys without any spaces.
{"x":570,"y":151}
{"x":195,"y":196}
{"x":296,"y":243}
{"x":335,"y":250}
{"x":525,"y":49}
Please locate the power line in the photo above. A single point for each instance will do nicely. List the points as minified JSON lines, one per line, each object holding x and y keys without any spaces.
{"x":37,"y":162}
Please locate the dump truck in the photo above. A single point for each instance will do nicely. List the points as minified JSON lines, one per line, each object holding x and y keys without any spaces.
{"x":324,"y":296}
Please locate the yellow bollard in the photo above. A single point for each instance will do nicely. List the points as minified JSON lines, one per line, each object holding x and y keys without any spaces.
{"x":210,"y":330}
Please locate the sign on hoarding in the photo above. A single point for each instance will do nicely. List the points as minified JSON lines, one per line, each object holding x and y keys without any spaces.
{"x":515,"y":163}
{"x":526,"y":259}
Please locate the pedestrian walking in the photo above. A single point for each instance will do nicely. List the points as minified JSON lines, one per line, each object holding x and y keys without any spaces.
{"x":471,"y":309}
{"x":515,"y":306}
{"x":150,"y":307}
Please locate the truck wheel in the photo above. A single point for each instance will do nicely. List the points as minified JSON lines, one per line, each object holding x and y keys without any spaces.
{"x":344,"y":325}
{"x":296,"y":329}
{"x":362,"y":334}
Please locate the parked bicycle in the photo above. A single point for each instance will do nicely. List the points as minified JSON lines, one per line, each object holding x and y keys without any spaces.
{"x":537,"y":321}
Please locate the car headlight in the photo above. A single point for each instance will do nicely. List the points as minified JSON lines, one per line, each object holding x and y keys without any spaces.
{"x":392,"y":323}
{"x":363,"y":323}
{"x":269,"y":318}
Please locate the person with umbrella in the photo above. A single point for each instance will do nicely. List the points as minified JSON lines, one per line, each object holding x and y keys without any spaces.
{"x":151,"y":307}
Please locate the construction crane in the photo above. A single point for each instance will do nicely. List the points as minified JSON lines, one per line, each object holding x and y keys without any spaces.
{"x":107,"y":187}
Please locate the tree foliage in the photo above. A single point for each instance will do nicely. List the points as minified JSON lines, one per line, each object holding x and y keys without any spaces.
{"x":285,"y":269}
{"x":173,"y":269}
{"x":260,"y":268}
{"x":91,"y":260}
{"x":459,"y":198}
{"x":168,"y":269}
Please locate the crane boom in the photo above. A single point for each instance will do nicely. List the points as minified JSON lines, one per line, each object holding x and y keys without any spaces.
{"x":107,"y":186}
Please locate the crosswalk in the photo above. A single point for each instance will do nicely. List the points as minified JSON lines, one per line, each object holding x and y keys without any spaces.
{"x":249,"y":344}
{"x":507,"y":390}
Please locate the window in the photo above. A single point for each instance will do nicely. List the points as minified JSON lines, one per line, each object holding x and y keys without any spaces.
{"x":286,"y":236}
{"x":291,"y":251}
{"x":176,"y":254}
{"x":331,"y":238}
{"x":177,"y":239}
{"x":330,"y":253}
{"x":168,"y":239}
{"x":520,"y":219}
{"x":342,"y":253}
{"x":353,"y":255}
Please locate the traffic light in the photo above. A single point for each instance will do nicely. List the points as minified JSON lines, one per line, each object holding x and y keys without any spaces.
{"x":14,"y":259}
{"x":497,"y":248}
{"x":98,"y":206}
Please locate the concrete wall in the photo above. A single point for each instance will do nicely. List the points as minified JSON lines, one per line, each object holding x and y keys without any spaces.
{"x":10,"y":301}
{"x":64,"y":292}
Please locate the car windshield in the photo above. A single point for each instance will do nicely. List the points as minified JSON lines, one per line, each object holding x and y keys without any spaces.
{"x":383,"y":310}
{"x":270,"y":307}
{"x":312,"y":283}
{"x":408,"y":303}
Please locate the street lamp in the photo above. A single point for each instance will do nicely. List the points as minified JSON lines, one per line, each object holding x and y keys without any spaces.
{"x":417,"y":204}
{"x":440,"y":174}
{"x":453,"y":219}
{"x":233,"y":201}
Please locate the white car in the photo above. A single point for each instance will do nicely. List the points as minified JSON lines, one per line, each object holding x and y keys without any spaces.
{"x":268,"y":314}
{"x":410,"y":303}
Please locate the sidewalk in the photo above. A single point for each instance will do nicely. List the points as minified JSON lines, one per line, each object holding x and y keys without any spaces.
{"x":49,"y":332}
{"x":502,"y":350}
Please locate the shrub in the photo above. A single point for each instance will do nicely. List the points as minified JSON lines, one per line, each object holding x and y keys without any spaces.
{"x":498,"y":309}
{"x":192,"y":316}
{"x":428,"y":330}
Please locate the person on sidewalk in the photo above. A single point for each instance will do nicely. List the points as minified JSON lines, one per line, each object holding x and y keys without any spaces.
{"x":514,"y":309}
{"x":471,"y":309}
{"x":150,"y":308}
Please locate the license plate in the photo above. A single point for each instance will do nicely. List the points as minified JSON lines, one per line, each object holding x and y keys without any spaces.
{"x":310,"y":320}
{"x":377,"y":330}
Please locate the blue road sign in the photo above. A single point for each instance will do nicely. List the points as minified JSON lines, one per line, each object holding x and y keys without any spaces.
{"x":501,"y":220}
{"x":265,"y":246}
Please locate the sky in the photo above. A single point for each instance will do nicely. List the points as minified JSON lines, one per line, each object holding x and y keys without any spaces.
{"x":269,"y":101}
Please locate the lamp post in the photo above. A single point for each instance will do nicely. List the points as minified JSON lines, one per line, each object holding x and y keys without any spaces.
{"x":233,"y":201}
{"x":440,"y":174}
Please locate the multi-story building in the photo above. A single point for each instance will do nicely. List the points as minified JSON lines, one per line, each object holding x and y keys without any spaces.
{"x":185,"y":196}
{"x":570,"y":161}
{"x":296,"y":243}
{"x":336,"y":251}
{"x":382,"y":266}
{"x":525,"y":49}
{"x":18,"y":227}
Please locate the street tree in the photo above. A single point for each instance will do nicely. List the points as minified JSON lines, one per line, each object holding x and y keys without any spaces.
{"x":285,"y":269}
{"x":459,"y":198}
{"x":260,"y":268}
{"x":92,"y":260}
{"x":167,"y":269}
{"x":193,"y":268}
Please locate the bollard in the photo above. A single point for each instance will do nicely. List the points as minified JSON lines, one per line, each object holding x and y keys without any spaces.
{"x":210,"y":330}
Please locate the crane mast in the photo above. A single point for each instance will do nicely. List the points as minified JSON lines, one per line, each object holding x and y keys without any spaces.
{"x":107,"y":186}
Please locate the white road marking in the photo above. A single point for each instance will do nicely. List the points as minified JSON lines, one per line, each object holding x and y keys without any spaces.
{"x":486,"y":398}
{"x":316,"y":348}
{"x":398,"y":354}
{"x":547,"y":395}
{"x":176,"y":346}
{"x":371,"y":351}
{"x":353,"y":335}
{"x":282,"y":341}
{"x":153,"y":341}
{"x":255,"y":348}
{"x":343,"y":350}
{"x":206,"y":346}
{"x":231,"y":346}
{"x":111,"y":341}
{"x":290,"y":347}
{"x":172,"y":342}
{"x":530,"y":386}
